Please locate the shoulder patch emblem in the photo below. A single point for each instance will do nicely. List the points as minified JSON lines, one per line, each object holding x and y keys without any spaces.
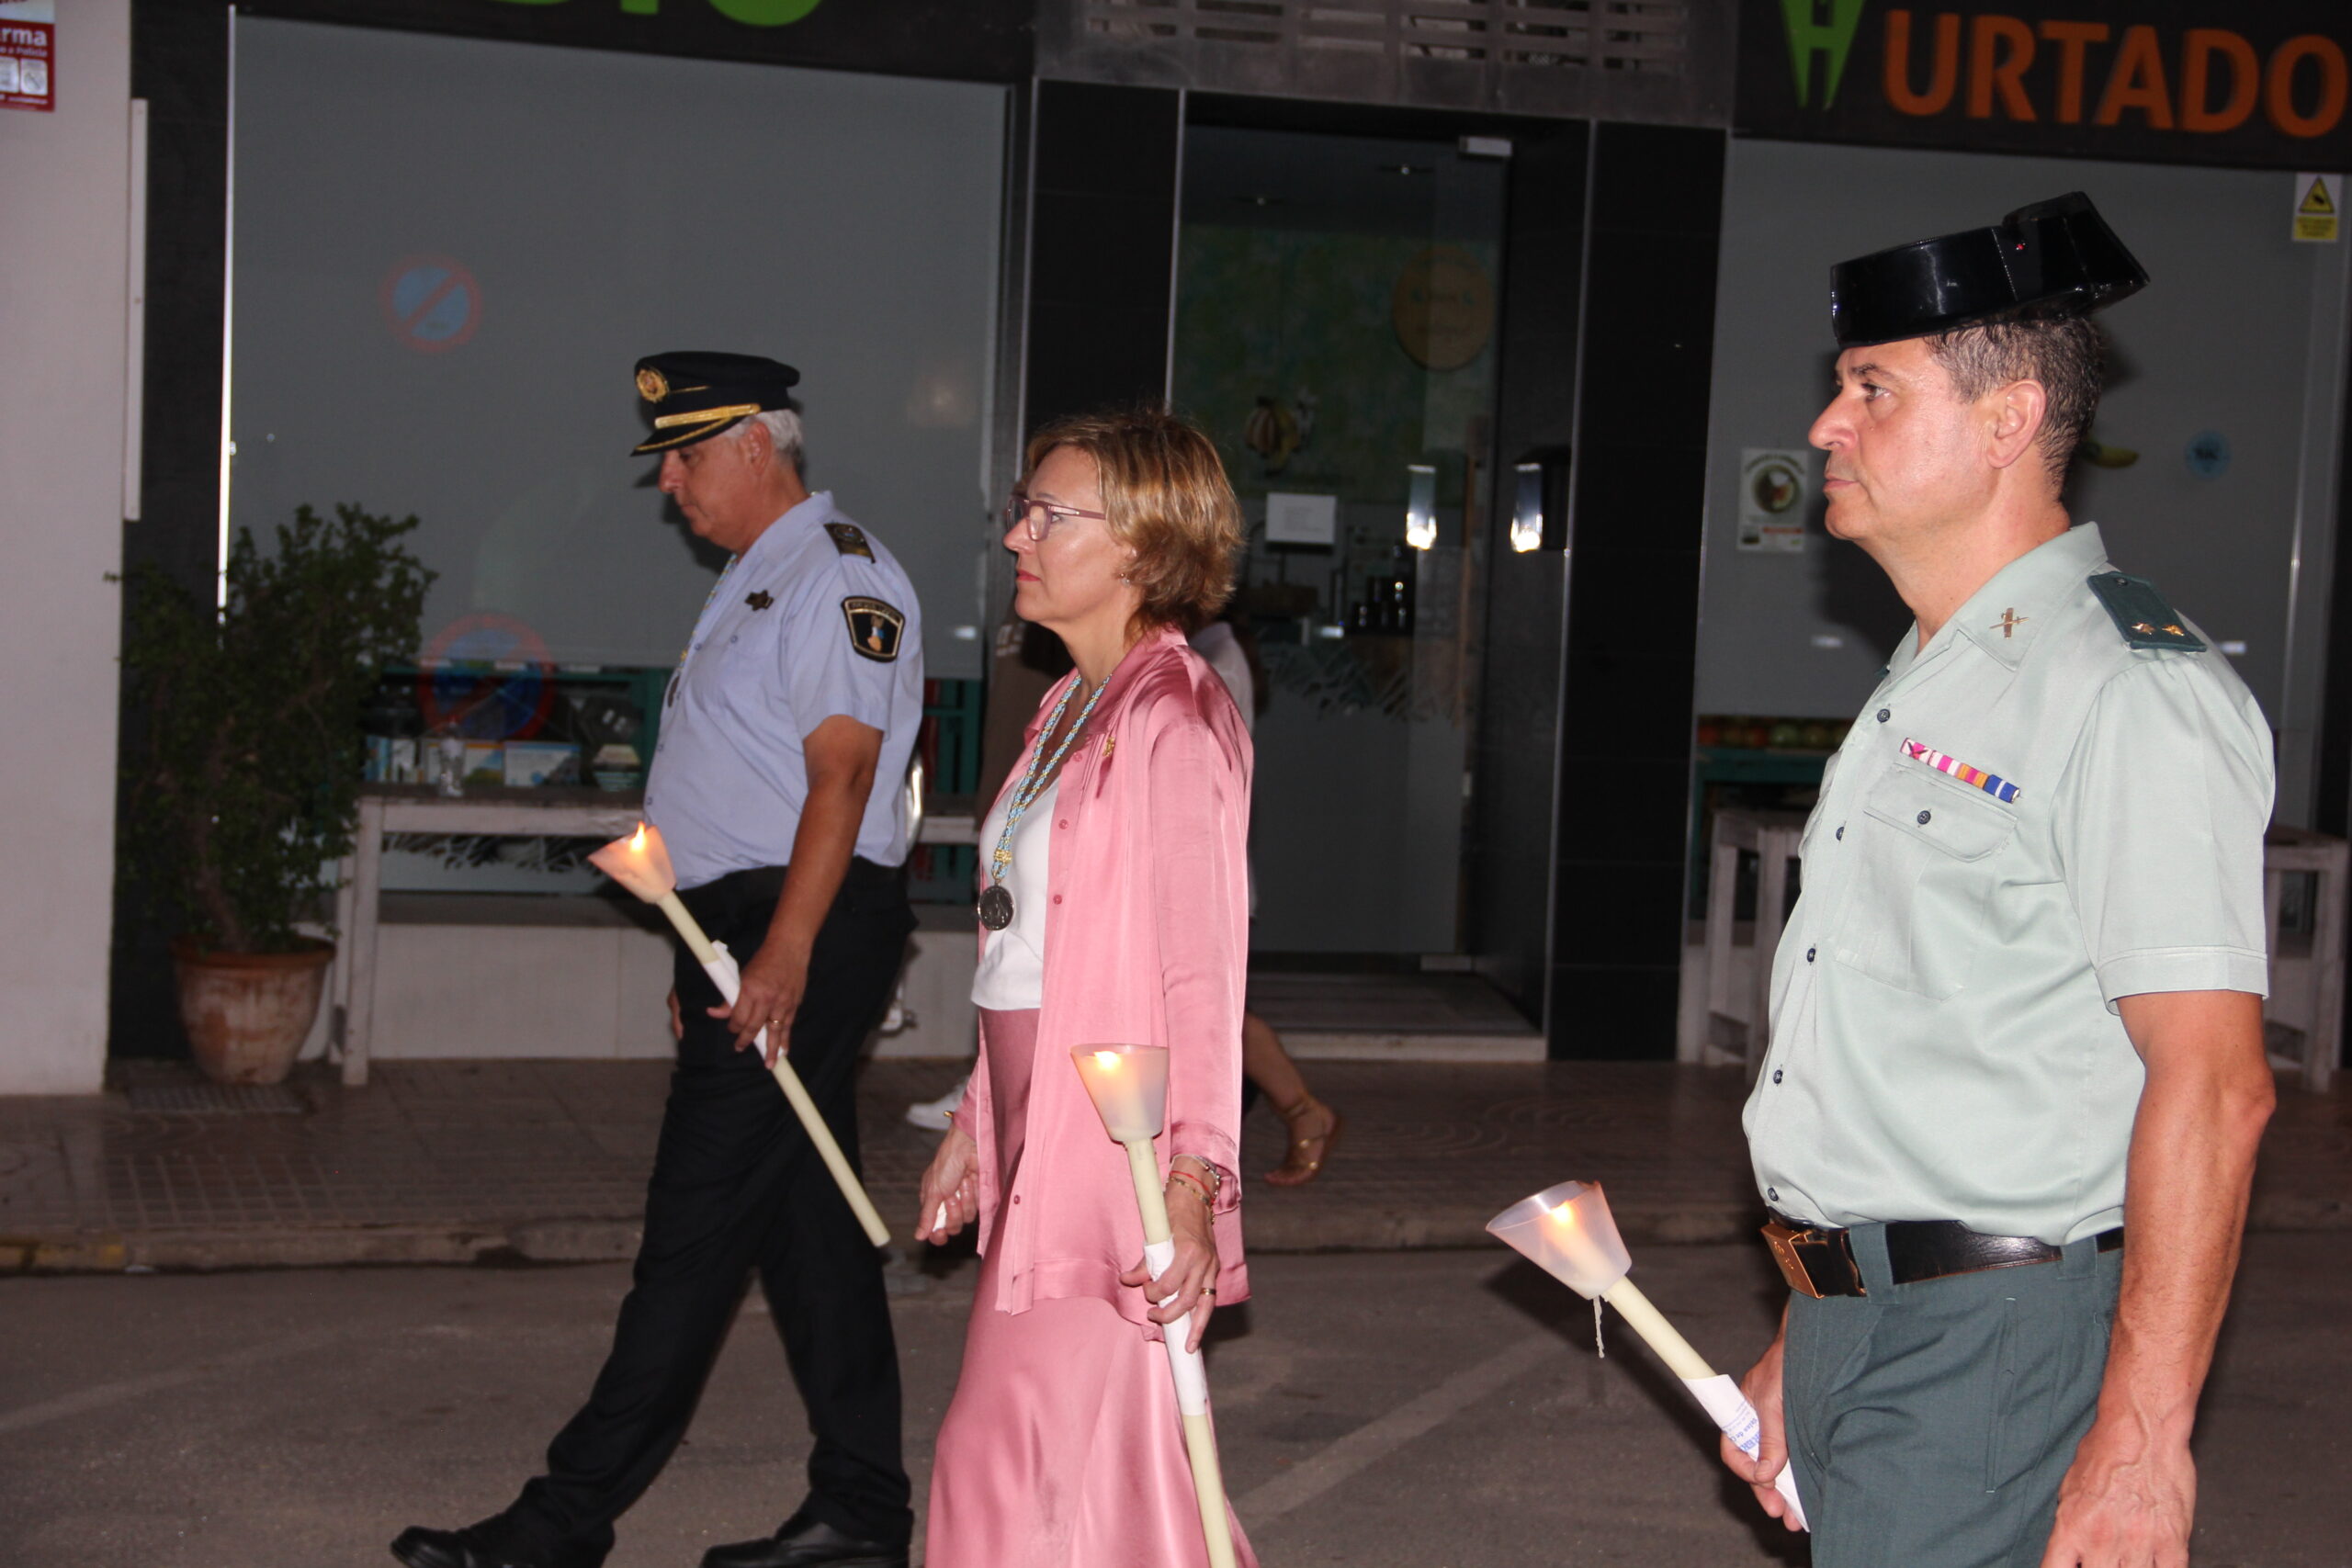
{"x":2141,"y":613}
{"x":849,"y":539}
{"x":875,"y":628}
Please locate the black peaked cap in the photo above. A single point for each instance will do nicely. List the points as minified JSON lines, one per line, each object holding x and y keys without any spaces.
{"x":692,"y":396}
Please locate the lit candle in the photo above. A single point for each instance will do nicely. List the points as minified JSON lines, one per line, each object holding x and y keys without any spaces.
{"x":1568,"y":1232}
{"x":1129,"y":1087}
{"x":641,"y":862}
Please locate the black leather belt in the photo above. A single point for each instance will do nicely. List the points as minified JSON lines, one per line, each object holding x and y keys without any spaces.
{"x":1818,"y":1262}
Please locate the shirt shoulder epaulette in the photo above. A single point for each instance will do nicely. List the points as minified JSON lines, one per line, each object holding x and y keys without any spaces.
{"x":2141,"y":615}
{"x":849,"y":539}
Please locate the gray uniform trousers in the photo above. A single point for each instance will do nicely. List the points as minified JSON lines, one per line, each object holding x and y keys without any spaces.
{"x":1930,"y":1424}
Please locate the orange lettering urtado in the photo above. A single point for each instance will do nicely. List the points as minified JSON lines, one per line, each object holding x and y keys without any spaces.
{"x":2197,"y":52}
{"x":2137,"y":82}
{"x":2007,"y":76}
{"x":1944,"y":75}
{"x":2278,"y":103}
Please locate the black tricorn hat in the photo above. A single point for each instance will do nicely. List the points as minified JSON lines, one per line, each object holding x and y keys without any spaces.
{"x":694,"y":396}
{"x":2056,"y":258}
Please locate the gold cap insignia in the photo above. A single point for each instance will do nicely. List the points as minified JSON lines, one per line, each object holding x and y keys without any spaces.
{"x":652,"y":385}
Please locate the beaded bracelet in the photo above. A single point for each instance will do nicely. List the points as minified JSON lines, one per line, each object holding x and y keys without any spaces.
{"x":1208,"y":1194}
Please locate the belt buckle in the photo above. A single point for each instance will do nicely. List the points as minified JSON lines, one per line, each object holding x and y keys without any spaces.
{"x":1788,"y":1244}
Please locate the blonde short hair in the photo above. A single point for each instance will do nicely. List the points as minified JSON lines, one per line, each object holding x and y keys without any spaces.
{"x":1168,"y":500}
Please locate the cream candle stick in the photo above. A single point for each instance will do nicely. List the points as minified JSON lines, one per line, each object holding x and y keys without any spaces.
{"x":1129,"y":1087}
{"x":641,"y":862}
{"x":1568,"y":1232}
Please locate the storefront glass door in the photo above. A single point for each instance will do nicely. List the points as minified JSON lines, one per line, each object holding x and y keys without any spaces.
{"x":1335,"y":333}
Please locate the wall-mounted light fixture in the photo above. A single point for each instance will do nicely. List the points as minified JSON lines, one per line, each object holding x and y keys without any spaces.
{"x":1527,"y":511}
{"x":1421,"y":505}
{"x":1539,"y":516}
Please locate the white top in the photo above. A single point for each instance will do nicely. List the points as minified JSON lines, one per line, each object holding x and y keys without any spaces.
{"x":1222,"y":649}
{"x":1012,"y":976}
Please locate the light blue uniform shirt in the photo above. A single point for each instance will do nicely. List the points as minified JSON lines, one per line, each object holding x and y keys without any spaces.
{"x":800,"y":628}
{"x":1944,"y":1042}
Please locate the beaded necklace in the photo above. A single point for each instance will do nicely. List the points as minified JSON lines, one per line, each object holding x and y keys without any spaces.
{"x":996,"y":899}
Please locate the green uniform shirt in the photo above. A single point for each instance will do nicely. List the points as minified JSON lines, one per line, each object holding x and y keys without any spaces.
{"x":1944,"y":1040}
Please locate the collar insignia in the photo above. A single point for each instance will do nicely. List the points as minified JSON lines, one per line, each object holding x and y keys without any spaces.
{"x":761,"y":600}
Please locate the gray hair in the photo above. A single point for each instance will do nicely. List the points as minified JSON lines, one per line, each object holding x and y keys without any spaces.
{"x":2067,"y":356}
{"x":782,"y":428}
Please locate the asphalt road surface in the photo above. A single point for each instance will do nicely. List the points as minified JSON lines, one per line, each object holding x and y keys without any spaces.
{"x":1438,"y":1410}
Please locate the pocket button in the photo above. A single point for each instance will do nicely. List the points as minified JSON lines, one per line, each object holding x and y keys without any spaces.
{"x":1885,"y":714}
{"x":1923,"y":817}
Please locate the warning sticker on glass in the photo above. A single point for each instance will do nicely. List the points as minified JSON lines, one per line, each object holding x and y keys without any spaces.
{"x":2319,"y":208}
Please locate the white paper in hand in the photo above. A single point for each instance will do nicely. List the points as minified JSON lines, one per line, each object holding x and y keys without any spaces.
{"x":1721,"y":1399}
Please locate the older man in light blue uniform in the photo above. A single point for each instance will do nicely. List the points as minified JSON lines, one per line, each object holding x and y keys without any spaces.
{"x":786,"y":732}
{"x":2016,"y":1010}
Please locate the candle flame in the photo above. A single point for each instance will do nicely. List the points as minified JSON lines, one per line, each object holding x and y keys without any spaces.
{"x":1566,"y":1213}
{"x":637,"y":839}
{"x":1107,"y":1060}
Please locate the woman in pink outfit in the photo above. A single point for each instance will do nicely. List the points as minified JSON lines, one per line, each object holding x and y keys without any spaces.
{"x":1114,"y":908}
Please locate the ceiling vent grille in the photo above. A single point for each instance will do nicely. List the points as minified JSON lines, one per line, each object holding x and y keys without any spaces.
{"x":1648,"y":60}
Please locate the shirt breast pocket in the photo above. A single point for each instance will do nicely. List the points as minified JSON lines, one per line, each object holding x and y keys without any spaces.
{"x":1920,"y":904}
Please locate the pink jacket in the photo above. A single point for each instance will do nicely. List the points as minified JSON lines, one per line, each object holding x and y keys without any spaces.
{"x":1146,"y":944}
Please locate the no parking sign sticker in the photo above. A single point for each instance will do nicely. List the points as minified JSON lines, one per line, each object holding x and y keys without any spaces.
{"x":431,"y":303}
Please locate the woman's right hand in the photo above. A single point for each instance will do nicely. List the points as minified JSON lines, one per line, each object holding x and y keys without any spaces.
{"x":951,"y":1189}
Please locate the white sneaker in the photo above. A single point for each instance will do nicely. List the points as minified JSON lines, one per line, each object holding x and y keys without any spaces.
{"x":937,"y":1115}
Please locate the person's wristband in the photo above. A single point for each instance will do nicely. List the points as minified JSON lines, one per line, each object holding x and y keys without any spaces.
{"x":1207,"y":1193}
{"x":1215,"y":1177}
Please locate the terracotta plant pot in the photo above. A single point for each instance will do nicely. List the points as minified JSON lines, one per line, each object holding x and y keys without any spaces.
{"x":247,"y":1013}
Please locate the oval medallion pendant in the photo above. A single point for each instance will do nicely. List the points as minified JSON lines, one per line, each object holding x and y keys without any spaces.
{"x":996,"y":907}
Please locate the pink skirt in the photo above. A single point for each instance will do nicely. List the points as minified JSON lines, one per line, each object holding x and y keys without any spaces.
{"x":1063,"y":1446}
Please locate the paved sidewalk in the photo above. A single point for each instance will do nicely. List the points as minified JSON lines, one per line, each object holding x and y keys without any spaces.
{"x":440,"y":1162}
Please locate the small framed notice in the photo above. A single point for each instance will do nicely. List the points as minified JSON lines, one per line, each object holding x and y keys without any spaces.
{"x":28,"y":54}
{"x":1774,"y":485}
{"x":1293,"y":519}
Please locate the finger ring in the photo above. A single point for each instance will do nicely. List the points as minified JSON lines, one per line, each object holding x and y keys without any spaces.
{"x":773,"y":1022}
{"x":1209,"y":1290}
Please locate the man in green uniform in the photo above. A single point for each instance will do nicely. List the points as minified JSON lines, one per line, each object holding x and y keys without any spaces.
{"x":2016,"y":1013}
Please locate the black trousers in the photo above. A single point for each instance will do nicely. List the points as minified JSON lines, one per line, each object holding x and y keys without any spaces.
{"x":736,"y":1186}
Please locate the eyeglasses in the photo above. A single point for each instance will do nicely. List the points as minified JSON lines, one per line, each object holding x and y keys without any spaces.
{"x":1039,"y":517}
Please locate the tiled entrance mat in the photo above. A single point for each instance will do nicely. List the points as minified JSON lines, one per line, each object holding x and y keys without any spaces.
{"x":181,"y":1097}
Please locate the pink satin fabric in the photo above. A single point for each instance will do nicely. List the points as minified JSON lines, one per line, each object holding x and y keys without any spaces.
{"x":1146,"y":944}
{"x":1063,"y":1448}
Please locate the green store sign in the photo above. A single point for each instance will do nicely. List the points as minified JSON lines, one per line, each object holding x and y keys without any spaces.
{"x":972,"y":40}
{"x":751,"y":13}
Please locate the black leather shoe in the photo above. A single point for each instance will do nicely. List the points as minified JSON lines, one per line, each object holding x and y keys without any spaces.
{"x":804,"y":1542}
{"x":490,"y":1544}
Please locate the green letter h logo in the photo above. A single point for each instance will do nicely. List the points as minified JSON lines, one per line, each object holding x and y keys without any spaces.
{"x":1820,"y":28}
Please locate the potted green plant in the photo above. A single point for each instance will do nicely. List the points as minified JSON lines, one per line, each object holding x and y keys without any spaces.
{"x":245,"y":791}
